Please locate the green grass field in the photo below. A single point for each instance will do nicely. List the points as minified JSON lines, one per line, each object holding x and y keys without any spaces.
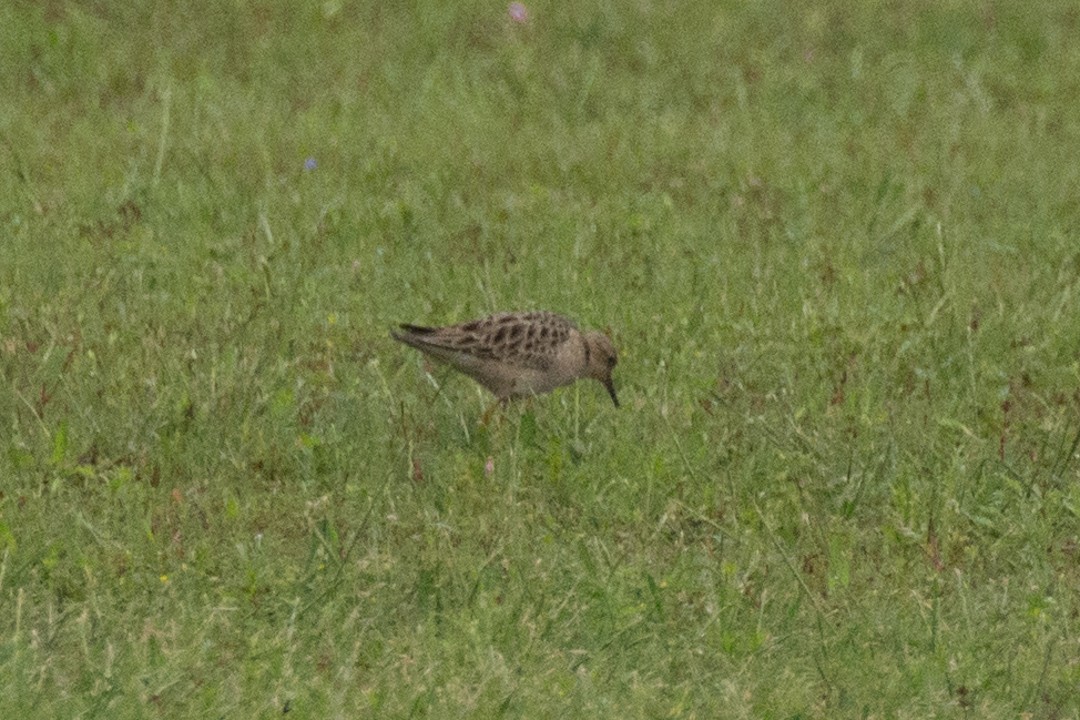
{"x":837,"y":245}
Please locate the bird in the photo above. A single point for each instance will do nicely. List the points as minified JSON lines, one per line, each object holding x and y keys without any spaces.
{"x":518,"y":354}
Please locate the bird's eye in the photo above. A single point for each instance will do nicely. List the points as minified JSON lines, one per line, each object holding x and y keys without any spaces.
{"x":611,"y":361}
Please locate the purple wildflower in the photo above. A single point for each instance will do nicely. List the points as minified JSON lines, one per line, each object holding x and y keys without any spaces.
{"x":518,"y":13}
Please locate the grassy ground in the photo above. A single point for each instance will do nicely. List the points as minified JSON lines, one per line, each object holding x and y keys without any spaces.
{"x":836,"y":244}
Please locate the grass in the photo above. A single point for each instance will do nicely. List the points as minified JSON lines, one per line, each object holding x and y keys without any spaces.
{"x":835,"y":244}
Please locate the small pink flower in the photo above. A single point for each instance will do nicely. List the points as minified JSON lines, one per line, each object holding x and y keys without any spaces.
{"x":518,"y":13}
{"x":489,"y":466}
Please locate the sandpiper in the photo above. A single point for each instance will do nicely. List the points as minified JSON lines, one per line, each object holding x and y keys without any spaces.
{"x":518,"y":354}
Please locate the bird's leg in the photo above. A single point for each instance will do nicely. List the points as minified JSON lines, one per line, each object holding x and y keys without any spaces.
{"x":486,"y":417}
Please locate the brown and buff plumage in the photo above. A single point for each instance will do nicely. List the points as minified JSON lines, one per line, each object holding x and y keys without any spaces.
{"x":518,"y":354}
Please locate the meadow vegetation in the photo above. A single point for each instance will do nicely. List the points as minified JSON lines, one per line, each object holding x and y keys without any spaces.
{"x":836,"y":244}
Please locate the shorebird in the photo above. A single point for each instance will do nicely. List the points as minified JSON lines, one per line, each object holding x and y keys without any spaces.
{"x":518,"y":354}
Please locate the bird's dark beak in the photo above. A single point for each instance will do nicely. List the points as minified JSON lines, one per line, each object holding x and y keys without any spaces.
{"x":610,"y":385}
